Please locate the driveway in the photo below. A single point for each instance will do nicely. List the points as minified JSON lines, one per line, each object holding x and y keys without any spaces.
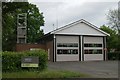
{"x":97,"y":69}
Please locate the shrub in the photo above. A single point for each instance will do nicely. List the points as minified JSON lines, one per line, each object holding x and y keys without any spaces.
{"x":113,"y":56}
{"x":11,"y":61}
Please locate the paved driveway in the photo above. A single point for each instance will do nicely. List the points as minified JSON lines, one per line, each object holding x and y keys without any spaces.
{"x":97,"y":69}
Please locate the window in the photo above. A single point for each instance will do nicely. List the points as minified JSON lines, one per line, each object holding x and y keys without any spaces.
{"x":67,"y":44}
{"x":67,"y":51}
{"x":90,"y":51}
{"x":75,"y":51}
{"x":59,"y":45}
{"x":99,"y":45}
{"x":86,"y":45}
{"x":92,"y":45}
{"x":93,"y":51}
{"x":75,"y":45}
{"x":59,"y":52}
{"x":64,"y":45}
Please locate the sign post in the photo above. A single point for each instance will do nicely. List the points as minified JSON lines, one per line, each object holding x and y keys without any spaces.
{"x":31,"y":61}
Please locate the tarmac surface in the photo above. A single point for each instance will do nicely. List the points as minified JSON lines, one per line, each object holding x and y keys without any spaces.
{"x":96,"y":69}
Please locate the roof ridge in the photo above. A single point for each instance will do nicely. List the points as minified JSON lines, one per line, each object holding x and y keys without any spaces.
{"x":76,"y":22}
{"x":67,"y":25}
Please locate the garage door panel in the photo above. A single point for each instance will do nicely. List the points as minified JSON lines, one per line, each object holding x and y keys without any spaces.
{"x":66,"y":47}
{"x":67,"y":39}
{"x":91,"y":57}
{"x":93,"y":39}
{"x":93,"y":48}
{"x":67,"y":57}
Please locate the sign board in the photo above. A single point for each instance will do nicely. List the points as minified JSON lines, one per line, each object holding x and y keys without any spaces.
{"x":31,"y":61}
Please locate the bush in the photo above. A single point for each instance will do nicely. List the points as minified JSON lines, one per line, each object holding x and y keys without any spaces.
{"x":11,"y":61}
{"x":113,"y":56}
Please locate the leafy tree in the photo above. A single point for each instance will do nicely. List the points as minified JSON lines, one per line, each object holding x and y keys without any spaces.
{"x":35,"y":19}
{"x":8,"y":33}
{"x":114,"y":22}
{"x":112,"y":41}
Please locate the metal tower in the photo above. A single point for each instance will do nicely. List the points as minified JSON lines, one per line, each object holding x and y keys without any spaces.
{"x":21,"y":28}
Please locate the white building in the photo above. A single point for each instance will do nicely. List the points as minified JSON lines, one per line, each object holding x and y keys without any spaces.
{"x":78,"y":41}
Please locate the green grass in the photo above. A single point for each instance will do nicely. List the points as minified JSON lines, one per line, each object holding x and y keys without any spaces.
{"x":44,"y":74}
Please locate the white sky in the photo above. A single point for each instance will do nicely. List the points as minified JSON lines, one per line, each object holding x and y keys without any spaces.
{"x":62,"y":12}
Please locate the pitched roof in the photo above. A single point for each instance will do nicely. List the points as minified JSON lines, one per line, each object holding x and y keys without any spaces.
{"x":76,"y":22}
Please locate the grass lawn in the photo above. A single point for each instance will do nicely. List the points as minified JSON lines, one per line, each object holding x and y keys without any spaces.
{"x":44,"y":74}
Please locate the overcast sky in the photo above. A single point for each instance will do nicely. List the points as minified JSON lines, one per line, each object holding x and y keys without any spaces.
{"x":62,"y":12}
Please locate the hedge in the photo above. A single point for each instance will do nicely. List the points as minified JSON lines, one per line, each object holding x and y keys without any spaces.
{"x":114,"y":56}
{"x":11,"y":61}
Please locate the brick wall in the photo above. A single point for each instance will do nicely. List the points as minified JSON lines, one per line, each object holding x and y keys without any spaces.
{"x":49,"y":45}
{"x":24,"y":47}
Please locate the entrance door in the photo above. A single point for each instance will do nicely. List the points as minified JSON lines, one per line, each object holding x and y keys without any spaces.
{"x":67,"y":48}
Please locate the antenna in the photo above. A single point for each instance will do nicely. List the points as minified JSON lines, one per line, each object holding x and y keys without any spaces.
{"x":56,"y":17}
{"x":53,"y":27}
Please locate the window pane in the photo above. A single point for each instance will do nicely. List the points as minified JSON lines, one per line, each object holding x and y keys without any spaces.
{"x":93,"y":51}
{"x":90,"y":51}
{"x":86,"y":52}
{"x":99,"y":45}
{"x":99,"y":51}
{"x":59,"y":51}
{"x":67,"y":44}
{"x":71,"y":45}
{"x":86,"y":45}
{"x":64,"y":45}
{"x":69,"y":51}
{"x":65,"y":51}
{"x":92,"y":45}
{"x":59,"y":45}
{"x":75,"y":45}
{"x":75,"y":51}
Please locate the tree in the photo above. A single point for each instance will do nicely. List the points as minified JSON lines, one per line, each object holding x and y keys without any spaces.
{"x":35,"y":19}
{"x":112,"y":41}
{"x":114,"y":22}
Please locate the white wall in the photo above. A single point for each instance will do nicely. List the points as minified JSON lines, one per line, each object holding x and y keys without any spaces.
{"x":80,"y":29}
